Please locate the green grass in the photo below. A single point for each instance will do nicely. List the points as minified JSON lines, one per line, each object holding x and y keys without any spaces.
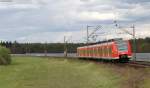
{"x":146,"y":82}
{"x":38,"y":72}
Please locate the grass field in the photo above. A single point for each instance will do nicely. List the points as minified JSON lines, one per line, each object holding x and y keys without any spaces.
{"x":40,"y":72}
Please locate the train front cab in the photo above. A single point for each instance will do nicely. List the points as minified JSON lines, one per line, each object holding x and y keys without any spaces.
{"x":122,"y":51}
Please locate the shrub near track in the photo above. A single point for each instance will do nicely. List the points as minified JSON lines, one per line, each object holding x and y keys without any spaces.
{"x":5,"y":57}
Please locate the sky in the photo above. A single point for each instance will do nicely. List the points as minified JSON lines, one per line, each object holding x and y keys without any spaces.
{"x":50,"y":20}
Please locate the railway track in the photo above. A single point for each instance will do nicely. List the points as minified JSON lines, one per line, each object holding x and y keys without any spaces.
{"x":138,"y":64}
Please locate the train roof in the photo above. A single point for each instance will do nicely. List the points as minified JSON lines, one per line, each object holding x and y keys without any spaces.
{"x":95,"y":44}
{"x":102,"y":42}
{"x":107,"y":41}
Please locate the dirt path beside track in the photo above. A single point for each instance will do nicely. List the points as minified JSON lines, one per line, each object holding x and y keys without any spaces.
{"x":132,"y":77}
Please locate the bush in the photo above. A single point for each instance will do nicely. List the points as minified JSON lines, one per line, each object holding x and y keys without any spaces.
{"x":5,"y":57}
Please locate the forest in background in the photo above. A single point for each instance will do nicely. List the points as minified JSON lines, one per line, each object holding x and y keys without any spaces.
{"x":142,"y":46}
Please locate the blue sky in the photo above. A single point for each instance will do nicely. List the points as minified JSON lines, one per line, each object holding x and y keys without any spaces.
{"x":51,"y":20}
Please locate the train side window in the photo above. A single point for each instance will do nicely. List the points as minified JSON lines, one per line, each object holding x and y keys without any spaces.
{"x":87,"y":51}
{"x":100,"y":51}
{"x":97,"y":50}
{"x":110,"y":50}
{"x":82,"y":52}
{"x":94,"y":51}
{"x":91,"y":51}
{"x":107,"y":51}
{"x":104,"y":48}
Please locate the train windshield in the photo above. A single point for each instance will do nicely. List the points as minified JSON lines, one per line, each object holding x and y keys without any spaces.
{"x":122,"y":45}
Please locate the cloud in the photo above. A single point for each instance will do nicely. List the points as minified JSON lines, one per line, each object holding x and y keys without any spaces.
{"x":96,"y":16}
{"x":54,"y":37}
{"x":50,"y":20}
{"x":135,"y":1}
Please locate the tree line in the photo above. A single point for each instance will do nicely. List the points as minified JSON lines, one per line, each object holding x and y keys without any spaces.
{"x":142,"y":46}
{"x":21,"y":48}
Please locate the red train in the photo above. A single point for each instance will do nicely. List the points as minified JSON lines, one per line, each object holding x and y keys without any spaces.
{"x":115,"y":49}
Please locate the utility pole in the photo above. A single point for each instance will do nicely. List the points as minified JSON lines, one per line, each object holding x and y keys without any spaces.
{"x":134,"y":42}
{"x":87,"y":34}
